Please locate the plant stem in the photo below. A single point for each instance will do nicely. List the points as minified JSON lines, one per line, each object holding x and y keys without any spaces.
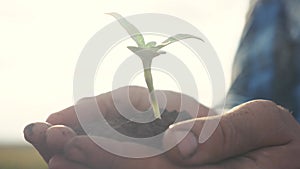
{"x":149,"y":81}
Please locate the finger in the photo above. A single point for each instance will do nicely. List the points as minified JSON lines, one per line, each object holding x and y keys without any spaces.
{"x":85,"y":151}
{"x":57,"y":136}
{"x":88,"y":108}
{"x":251,"y":126}
{"x":69,"y":116}
{"x":122,"y":99}
{"x":65,"y":117}
{"x":35,"y":134}
{"x":275,"y":157}
{"x":60,"y":162}
{"x":183,"y":103}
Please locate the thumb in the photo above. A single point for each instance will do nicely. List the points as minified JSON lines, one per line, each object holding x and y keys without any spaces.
{"x":245,"y":128}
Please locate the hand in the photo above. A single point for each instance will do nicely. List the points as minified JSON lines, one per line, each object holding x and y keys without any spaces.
{"x":63,"y":127}
{"x":255,"y":135}
{"x":235,"y":137}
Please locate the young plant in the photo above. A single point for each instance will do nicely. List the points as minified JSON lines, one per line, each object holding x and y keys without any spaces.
{"x":148,"y":51}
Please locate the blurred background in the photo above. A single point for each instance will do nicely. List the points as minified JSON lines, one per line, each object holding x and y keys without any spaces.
{"x":40,"y":42}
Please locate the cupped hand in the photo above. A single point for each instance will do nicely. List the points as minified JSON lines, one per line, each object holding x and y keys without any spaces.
{"x":255,"y":135}
{"x":258,"y":134}
{"x":50,"y":137}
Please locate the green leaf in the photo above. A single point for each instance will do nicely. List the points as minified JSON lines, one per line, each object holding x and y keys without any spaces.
{"x":150,"y":44}
{"x":131,"y":29}
{"x":145,"y":53}
{"x":176,"y":38}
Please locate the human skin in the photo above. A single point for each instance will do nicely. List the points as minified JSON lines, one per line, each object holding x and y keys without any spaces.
{"x":258,"y":134}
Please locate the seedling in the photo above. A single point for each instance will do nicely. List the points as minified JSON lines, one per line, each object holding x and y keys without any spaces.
{"x":148,"y":51}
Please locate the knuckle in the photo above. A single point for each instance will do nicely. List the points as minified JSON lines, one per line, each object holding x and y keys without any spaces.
{"x":262,"y":103}
{"x":262,"y":108}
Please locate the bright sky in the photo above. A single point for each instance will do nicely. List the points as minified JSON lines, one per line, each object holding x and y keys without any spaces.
{"x":40,"y":42}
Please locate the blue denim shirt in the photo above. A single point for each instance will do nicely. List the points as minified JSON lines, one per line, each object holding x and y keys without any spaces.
{"x":267,"y":63}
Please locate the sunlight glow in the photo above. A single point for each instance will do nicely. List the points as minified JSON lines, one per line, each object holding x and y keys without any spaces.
{"x":42,"y":40}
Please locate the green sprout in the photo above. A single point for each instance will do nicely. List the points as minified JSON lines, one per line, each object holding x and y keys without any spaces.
{"x":148,"y":51}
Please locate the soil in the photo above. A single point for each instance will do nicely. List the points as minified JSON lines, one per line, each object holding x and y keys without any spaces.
{"x":144,"y":130}
{"x":134,"y":129}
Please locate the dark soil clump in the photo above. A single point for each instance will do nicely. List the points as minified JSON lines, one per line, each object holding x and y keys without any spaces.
{"x":135,"y":129}
{"x":132,"y":127}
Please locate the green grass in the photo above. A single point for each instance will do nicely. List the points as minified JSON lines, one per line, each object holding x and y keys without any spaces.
{"x":20,"y":157}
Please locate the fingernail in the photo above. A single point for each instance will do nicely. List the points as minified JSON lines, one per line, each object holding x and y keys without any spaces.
{"x":34,"y":132}
{"x":28,"y":129}
{"x":187,"y":143}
